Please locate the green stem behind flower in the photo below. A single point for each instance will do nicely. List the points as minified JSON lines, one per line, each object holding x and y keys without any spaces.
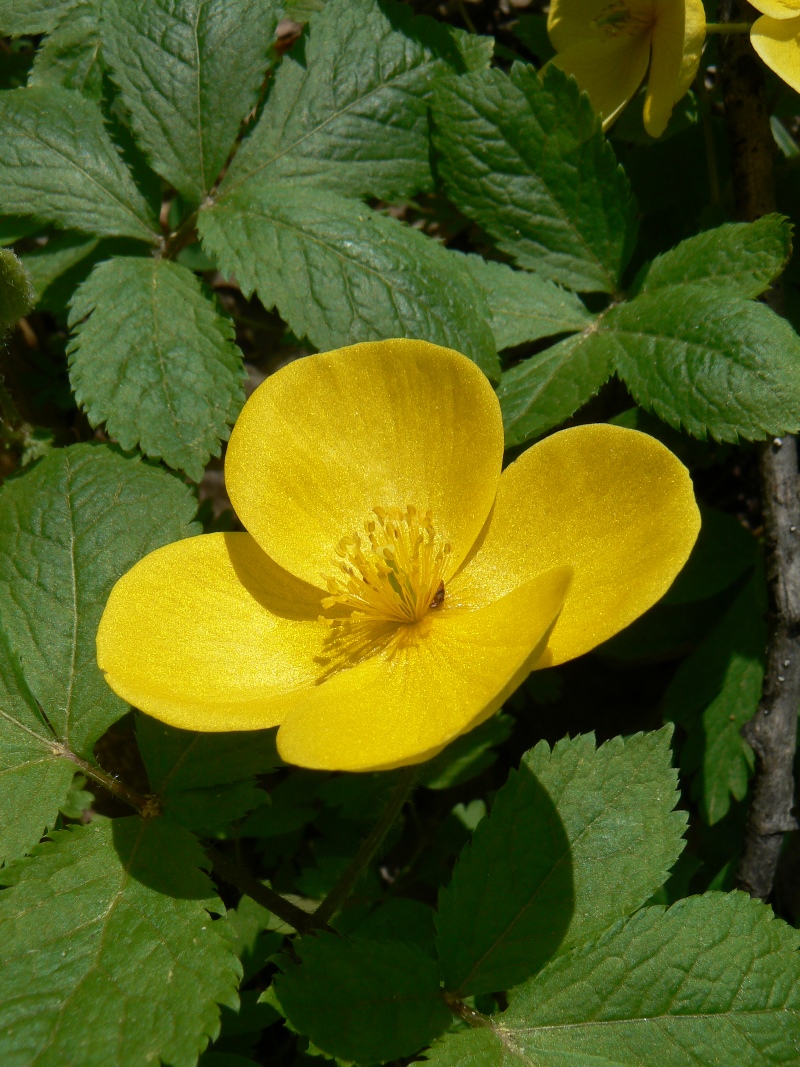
{"x":369,"y":846}
{"x":727,"y":27}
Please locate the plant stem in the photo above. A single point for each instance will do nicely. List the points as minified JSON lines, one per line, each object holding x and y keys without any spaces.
{"x":183,"y":236}
{"x":773,"y":730}
{"x":474,"y":1018}
{"x":147,"y":806}
{"x":727,"y":28}
{"x":708,"y":137}
{"x":240,"y":878}
{"x":369,"y":846}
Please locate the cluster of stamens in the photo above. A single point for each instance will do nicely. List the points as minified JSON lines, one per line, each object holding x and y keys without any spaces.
{"x":619,"y":18}
{"x":394,"y":571}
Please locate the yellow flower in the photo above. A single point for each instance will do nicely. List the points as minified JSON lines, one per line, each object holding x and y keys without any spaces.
{"x":609,"y":44}
{"x":394,"y":587}
{"x":776,"y":38}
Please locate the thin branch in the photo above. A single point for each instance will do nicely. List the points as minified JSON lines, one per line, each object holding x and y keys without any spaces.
{"x":240,"y":878}
{"x":369,"y":846}
{"x":473,"y":1018}
{"x":773,"y":730}
{"x":180,"y":238}
{"x":147,"y":806}
{"x":728,"y":28}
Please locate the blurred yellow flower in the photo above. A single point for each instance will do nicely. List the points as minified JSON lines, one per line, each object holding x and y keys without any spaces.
{"x":608,"y":47}
{"x":394,"y":586}
{"x":776,"y":38}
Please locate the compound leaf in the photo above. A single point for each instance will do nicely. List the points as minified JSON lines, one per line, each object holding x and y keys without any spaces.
{"x":69,"y":528}
{"x":739,"y":258}
{"x":98,"y":921}
{"x":155,"y":361}
{"x":525,"y":306}
{"x":58,"y":163}
{"x":711,"y":364}
{"x":189,"y":74}
{"x":340,"y":273}
{"x":349,"y":111}
{"x":576,"y":838}
{"x":715,"y":979}
{"x":528,"y":161}
{"x":363,"y":1000}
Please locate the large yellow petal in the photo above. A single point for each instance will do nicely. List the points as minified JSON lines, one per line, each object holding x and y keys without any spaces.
{"x":402,"y":708}
{"x":612,"y":503}
{"x":609,"y":70}
{"x":210,"y":634}
{"x":778,"y":9}
{"x":678,"y":37}
{"x":570,"y":22}
{"x":777,"y":41}
{"x":330,"y":437}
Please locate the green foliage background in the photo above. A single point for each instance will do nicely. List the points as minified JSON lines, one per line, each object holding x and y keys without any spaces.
{"x":194,"y":192}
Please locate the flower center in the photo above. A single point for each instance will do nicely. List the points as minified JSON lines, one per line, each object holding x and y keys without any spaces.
{"x":392,"y":572}
{"x":619,"y":17}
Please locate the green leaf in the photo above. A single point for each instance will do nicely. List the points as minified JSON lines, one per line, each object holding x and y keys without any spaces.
{"x":302,"y":10}
{"x":714,"y":692}
{"x":711,"y":364}
{"x":22,"y":16}
{"x":34,"y":778}
{"x":253,"y":942}
{"x":16,"y":290}
{"x":722,"y":553}
{"x":58,"y":163}
{"x":189,"y":74}
{"x":13,"y":229}
{"x":348,"y":110}
{"x":78,"y":800}
{"x":394,"y":919}
{"x":62,"y":253}
{"x":467,"y":756}
{"x":713,"y":980}
{"x":205,"y":780}
{"x":576,"y":838}
{"x":524,"y":306}
{"x":70,"y":56}
{"x":58,"y":266}
{"x":544,"y":390}
{"x":738,"y":258}
{"x":339,"y":273}
{"x":361,"y":1000}
{"x":69,"y":528}
{"x":528,"y":161}
{"x":155,"y":361}
{"x":109,"y":954}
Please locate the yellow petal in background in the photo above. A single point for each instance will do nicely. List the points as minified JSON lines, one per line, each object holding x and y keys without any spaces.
{"x":778,"y":9}
{"x":209,"y":634}
{"x":382,"y":424}
{"x":451,"y":674}
{"x":614,"y":504}
{"x":678,"y":36}
{"x":777,"y":42}
{"x":609,"y":70}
